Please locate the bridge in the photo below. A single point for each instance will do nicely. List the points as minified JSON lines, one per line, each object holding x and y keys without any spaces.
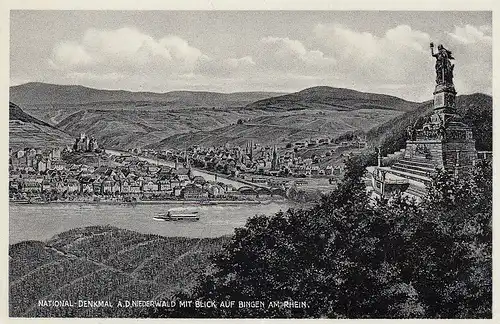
{"x":207,"y":175}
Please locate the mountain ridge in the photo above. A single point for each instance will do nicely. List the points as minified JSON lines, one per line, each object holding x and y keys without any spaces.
{"x":321,"y":111}
{"x":336,"y":98}
{"x":39,"y":93}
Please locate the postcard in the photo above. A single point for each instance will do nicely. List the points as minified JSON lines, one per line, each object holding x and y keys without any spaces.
{"x":250,"y":164}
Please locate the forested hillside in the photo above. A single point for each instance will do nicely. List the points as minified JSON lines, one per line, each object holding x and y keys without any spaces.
{"x":476,"y":111}
{"x":102,"y":263}
{"x":343,"y":258}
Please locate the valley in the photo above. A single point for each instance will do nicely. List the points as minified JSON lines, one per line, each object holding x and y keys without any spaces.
{"x":125,"y":120}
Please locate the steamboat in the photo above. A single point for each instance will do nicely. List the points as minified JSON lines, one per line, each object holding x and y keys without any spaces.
{"x":177,"y":216}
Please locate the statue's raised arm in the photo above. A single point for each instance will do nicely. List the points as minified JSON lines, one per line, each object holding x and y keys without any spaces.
{"x":432,"y":50}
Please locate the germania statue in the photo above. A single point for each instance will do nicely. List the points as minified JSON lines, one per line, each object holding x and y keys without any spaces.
{"x":444,"y":68}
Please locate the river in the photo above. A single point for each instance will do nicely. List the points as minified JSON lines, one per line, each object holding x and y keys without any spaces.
{"x":196,"y":172}
{"x":42,"y":221}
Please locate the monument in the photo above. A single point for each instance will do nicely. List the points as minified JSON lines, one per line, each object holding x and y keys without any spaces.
{"x":442,"y":142}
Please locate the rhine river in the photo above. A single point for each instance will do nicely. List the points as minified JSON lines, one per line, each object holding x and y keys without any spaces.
{"x":42,"y":221}
{"x":207,"y":176}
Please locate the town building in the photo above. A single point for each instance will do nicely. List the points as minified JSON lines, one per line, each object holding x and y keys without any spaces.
{"x":85,"y":144}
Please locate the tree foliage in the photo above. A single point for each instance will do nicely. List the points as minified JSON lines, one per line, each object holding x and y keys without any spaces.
{"x":349,"y":257}
{"x":476,"y":110}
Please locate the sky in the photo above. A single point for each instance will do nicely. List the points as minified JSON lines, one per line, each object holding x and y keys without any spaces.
{"x":229,"y":51}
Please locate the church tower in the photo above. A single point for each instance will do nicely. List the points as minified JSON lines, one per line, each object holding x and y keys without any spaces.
{"x":275,"y":159}
{"x":186,"y":159}
{"x":251,"y":151}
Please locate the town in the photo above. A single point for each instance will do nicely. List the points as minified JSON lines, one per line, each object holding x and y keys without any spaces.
{"x":87,"y":172}
{"x":301,"y":159}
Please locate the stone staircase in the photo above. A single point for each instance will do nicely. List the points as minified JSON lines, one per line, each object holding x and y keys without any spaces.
{"x":418,"y":171}
{"x":393,"y":157}
{"x":413,"y":169}
{"x":423,"y":168}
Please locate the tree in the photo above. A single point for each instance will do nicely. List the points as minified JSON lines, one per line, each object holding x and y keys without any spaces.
{"x":458,"y":216}
{"x":349,"y":257}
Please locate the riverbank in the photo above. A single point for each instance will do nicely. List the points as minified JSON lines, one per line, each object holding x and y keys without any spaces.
{"x":153,"y":202}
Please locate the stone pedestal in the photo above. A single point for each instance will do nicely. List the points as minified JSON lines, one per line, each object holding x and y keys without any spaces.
{"x":454,"y":153}
{"x":444,"y":97}
{"x":444,"y":103}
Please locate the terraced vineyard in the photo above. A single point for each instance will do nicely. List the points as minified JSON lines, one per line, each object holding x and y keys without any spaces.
{"x":103,"y":263}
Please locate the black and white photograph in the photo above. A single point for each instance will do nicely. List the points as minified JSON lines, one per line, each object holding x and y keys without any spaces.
{"x":256,"y":164}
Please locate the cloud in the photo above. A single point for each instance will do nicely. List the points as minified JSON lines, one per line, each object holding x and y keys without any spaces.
{"x":404,"y":36}
{"x":290,"y":55}
{"x":471,"y":35}
{"x":125,"y":49}
{"x":472,"y":48}
{"x":362,"y":56}
{"x":68,"y":55}
{"x":226,"y":67}
{"x":246,"y":61}
{"x":397,"y":61}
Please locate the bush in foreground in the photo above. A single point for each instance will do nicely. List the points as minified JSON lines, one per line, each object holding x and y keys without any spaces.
{"x":347,"y":258}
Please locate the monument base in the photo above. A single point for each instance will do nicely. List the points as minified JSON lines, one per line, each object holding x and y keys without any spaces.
{"x":447,"y":146}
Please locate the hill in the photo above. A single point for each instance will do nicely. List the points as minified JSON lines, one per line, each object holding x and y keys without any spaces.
{"x":333,"y":98}
{"x":311,"y":113}
{"x":123,"y":119}
{"x":130,"y":127}
{"x":284,"y":127}
{"x":16,"y":113}
{"x":103,"y":263}
{"x":28,"y":131}
{"x":36,"y":93}
{"x":475,"y":109}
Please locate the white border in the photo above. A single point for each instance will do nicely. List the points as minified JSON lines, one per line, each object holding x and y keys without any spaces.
{"x":393,"y":5}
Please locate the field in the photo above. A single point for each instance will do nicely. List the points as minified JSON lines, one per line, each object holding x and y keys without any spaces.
{"x":284,"y":127}
{"x":210,"y":119}
{"x":103,"y":263}
{"x":28,"y":131}
{"x":22,"y":135}
{"x":334,"y":99}
{"x":123,"y":125}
